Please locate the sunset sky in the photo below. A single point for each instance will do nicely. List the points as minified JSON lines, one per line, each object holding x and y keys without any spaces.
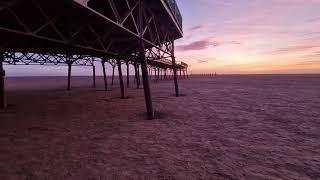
{"x":251,"y":36}
{"x":238,"y":37}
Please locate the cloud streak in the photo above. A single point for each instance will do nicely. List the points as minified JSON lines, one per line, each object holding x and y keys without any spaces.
{"x":201,"y":61}
{"x":195,"y":28}
{"x":197,"y":45}
{"x":292,"y":49}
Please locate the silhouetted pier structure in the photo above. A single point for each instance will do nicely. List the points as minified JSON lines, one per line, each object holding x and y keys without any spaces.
{"x":81,"y":32}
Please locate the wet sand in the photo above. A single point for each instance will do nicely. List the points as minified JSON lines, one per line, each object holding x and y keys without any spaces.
{"x":227,"y":127}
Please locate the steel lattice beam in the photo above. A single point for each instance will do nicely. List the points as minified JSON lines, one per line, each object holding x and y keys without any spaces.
{"x":63,"y":31}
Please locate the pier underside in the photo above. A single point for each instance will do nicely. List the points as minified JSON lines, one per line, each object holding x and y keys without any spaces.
{"x":81,"y":32}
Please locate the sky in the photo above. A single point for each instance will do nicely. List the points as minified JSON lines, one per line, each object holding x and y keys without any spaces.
{"x":250,"y":36}
{"x":237,"y":37}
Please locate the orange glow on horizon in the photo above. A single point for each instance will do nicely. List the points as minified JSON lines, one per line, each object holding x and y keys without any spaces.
{"x":251,"y":37}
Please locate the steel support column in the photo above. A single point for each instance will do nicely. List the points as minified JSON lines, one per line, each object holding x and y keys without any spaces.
{"x":120,"y":78}
{"x":165,"y":74}
{"x":2,"y":84}
{"x":113,"y":67}
{"x":187,"y":73}
{"x":146,"y":84}
{"x":69,"y":62}
{"x":138,"y":75}
{"x":150,"y":73}
{"x":144,"y":66}
{"x":94,"y":76}
{"x":128,"y":75}
{"x":103,"y":62}
{"x":174,"y":70}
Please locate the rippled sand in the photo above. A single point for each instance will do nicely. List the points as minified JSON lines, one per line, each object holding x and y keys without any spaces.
{"x":225,"y":127}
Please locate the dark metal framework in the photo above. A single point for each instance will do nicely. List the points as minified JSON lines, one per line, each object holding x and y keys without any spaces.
{"x":82,"y":32}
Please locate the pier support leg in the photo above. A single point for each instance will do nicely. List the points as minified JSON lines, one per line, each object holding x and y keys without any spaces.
{"x":150,"y":73}
{"x":69,"y":62}
{"x":120,"y":78}
{"x":94,"y":76}
{"x":165,"y":74}
{"x":104,"y":75}
{"x":175,"y":71}
{"x":144,"y":66}
{"x":187,"y":73}
{"x":138,"y":75}
{"x":113,"y":67}
{"x":128,"y":75}
{"x":2,"y":84}
{"x":69,"y":76}
{"x":172,"y":74}
{"x":135,"y":74}
{"x":146,"y":84}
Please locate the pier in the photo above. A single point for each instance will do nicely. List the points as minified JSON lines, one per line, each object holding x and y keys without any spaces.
{"x":139,"y":33}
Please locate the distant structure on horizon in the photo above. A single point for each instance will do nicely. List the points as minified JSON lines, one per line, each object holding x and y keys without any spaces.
{"x":81,"y":32}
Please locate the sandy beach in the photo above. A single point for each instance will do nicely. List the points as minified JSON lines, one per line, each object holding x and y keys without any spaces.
{"x":225,"y":127}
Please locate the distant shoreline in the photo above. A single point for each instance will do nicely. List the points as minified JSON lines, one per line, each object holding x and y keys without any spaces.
{"x":257,"y":74}
{"x":189,"y":75}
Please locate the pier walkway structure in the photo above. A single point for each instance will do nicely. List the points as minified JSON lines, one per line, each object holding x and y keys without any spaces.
{"x":82,"y":32}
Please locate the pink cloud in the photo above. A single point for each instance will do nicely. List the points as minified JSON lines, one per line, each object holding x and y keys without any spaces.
{"x":197,"y":45}
{"x":195,"y":28}
{"x":291,"y":49}
{"x":314,"y":19}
